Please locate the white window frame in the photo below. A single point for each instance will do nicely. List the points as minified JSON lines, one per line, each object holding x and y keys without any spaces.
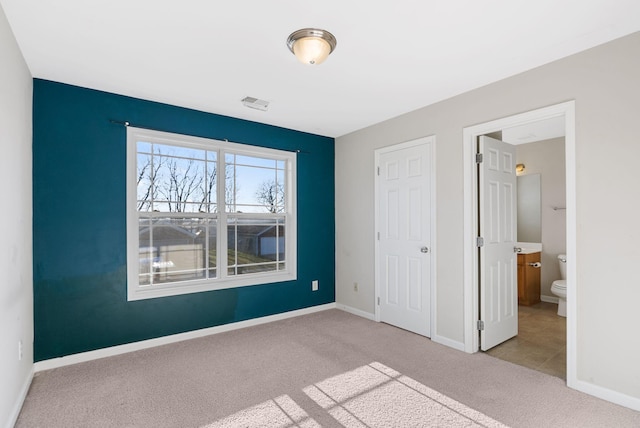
{"x":222,"y":281}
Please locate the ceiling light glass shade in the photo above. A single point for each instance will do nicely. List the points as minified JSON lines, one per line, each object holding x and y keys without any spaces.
{"x":311,"y":46}
{"x":311,"y":50}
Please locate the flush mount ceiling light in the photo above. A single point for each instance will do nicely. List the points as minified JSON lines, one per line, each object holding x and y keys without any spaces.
{"x":311,"y":45}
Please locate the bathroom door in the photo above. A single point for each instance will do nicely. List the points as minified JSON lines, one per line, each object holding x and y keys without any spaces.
{"x":497,"y":226}
{"x":404,"y":250}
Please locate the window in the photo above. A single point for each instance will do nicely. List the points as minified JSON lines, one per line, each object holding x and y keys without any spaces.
{"x":205,"y":214}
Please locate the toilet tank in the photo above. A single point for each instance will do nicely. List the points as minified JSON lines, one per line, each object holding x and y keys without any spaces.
{"x":562,"y":261}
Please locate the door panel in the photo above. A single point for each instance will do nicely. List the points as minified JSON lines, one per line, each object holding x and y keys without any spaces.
{"x":392,"y":280}
{"x":404,"y":218}
{"x":498,"y":262}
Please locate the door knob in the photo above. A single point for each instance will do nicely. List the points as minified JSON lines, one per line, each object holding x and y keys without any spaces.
{"x":424,"y":249}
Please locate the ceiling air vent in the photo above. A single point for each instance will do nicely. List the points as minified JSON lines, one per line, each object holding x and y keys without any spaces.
{"x":255,"y":103}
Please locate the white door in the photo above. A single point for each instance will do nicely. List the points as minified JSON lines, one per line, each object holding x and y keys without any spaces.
{"x":404,"y":240}
{"x":498,"y":262}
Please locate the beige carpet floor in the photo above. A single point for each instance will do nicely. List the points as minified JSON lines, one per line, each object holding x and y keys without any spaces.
{"x":328,"y":369}
{"x":370,"y":396}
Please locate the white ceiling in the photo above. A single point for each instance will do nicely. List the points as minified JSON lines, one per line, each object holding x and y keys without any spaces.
{"x":392,"y":56}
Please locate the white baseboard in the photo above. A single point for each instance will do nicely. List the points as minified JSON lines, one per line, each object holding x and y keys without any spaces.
{"x":607,"y":394}
{"x":448,"y":342}
{"x":588,"y":388}
{"x":355,"y":311}
{"x":549,"y":299}
{"x":435,"y":338}
{"x":17,"y":407}
{"x":165,"y":340}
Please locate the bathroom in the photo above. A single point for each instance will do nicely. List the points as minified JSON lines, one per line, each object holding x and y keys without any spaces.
{"x":543,"y":181}
{"x":540,"y":155}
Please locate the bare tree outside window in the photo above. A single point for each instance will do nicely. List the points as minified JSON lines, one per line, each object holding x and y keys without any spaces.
{"x":209,"y":199}
{"x":182,"y":183}
{"x":167,"y":182}
{"x":147,"y":174}
{"x":271,"y":195}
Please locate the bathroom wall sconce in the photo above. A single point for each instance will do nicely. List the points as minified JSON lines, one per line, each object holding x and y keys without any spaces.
{"x":311,"y":45}
{"x":519,"y":168}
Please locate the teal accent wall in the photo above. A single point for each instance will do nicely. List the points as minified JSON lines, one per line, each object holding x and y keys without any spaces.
{"x":79,"y":223}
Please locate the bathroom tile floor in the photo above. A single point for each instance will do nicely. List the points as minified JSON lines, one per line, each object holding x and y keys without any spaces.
{"x":541,"y":340}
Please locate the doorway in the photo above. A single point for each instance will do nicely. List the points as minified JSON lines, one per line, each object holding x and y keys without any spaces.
{"x":405,"y":233}
{"x":472,"y":299}
{"x":540,"y":343}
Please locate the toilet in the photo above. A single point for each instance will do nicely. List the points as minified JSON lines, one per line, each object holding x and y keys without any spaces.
{"x":559,"y":286}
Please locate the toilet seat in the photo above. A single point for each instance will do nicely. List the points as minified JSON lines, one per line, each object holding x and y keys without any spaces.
{"x":559,"y":288}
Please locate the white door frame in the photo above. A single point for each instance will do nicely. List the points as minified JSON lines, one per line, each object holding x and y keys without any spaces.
{"x":470,"y":230}
{"x":431,"y":142}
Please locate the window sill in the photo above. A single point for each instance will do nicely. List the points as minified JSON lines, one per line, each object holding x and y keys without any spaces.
{"x":188,"y":287}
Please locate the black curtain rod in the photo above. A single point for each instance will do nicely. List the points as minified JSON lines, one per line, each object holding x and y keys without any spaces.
{"x":127,"y":124}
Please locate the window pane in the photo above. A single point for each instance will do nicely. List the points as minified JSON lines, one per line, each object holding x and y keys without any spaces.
{"x":144,"y":176}
{"x":254,"y":161}
{"x":175,"y":179}
{"x":180,"y":182}
{"x":254,"y":185}
{"x":143,"y":147}
{"x":145,"y":252}
{"x":209,"y":196}
{"x":212,"y":239}
{"x":281,"y":191}
{"x":176,"y":249}
{"x":255,"y":189}
{"x":254,"y":245}
{"x":178,"y":151}
{"x":270,"y":267}
{"x":144,"y":280}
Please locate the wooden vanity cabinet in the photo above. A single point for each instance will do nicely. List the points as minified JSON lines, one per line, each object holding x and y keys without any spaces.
{"x":528,"y":279}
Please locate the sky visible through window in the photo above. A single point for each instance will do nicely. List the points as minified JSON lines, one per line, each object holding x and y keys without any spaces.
{"x":185,"y":178}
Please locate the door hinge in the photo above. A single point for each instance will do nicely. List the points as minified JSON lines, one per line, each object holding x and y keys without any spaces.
{"x":378,"y":301}
{"x":378,"y":236}
{"x":480,"y":325}
{"x":479,"y":157}
{"x":378,"y":170}
{"x":479,"y":241}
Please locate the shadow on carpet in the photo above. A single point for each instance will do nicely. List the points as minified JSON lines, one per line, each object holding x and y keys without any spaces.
{"x":370,"y":396}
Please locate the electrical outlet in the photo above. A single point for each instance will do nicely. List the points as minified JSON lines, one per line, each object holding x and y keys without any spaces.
{"x":19,"y":350}
{"x":355,"y":286}
{"x":314,"y":285}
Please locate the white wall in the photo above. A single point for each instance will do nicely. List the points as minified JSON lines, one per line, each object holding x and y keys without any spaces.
{"x":604,"y":83}
{"x":16,"y":288}
{"x":547,"y":158}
